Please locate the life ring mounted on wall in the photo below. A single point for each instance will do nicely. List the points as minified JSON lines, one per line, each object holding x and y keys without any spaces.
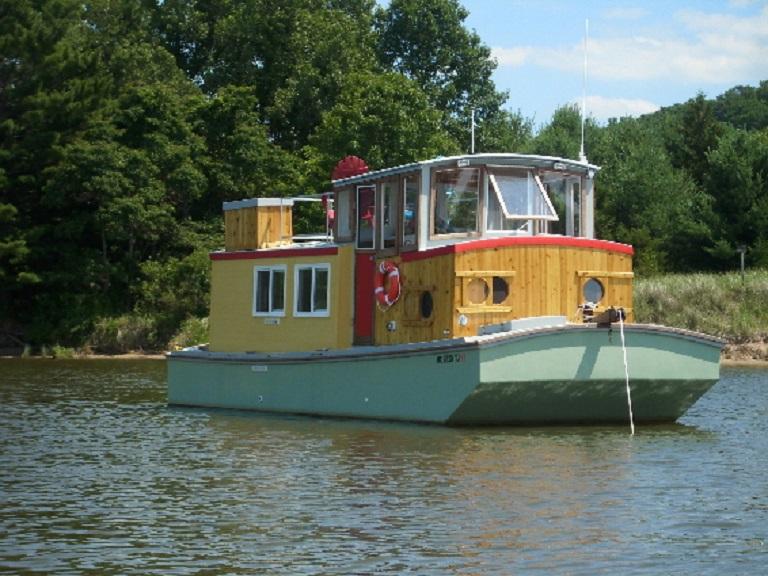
{"x":387,"y":284}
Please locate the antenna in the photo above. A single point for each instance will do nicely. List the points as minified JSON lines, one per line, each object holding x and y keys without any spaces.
{"x":472,"y":150}
{"x":582,"y":155}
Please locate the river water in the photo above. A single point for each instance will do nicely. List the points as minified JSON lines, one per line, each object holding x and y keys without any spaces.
{"x":99,"y":476}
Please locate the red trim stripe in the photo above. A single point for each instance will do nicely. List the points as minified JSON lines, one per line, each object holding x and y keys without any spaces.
{"x":490,"y":243}
{"x":284,"y":253}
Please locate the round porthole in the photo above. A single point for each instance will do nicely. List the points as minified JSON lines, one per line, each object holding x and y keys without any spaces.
{"x":593,"y":291}
{"x":477,"y":291}
{"x":426,"y":304}
{"x":500,"y":290}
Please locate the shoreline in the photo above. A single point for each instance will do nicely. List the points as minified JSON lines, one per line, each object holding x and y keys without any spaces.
{"x":750,"y":355}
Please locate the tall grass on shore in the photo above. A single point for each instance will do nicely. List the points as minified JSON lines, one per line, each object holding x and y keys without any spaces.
{"x":717,"y":304}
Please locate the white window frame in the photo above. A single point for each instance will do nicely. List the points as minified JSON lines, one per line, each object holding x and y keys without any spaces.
{"x":314,"y":313}
{"x":271,"y":269}
{"x":552,"y":216}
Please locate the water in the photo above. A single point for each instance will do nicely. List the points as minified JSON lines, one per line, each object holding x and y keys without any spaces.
{"x":98,"y":476}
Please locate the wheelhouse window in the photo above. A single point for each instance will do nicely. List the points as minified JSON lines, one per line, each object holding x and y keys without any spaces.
{"x":410,"y":210}
{"x":312,"y":290}
{"x":517,"y":198}
{"x":366,"y":215}
{"x":564,"y":191}
{"x":343,"y":216}
{"x":388,"y":214}
{"x":456,"y":201}
{"x":269,"y":291}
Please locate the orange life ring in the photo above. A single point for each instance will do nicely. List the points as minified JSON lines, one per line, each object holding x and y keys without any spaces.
{"x":387,"y":275}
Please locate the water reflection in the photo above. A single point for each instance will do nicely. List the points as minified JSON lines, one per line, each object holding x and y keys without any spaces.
{"x":99,"y":476}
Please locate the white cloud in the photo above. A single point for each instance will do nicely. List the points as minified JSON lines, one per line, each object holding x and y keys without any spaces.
{"x":710,"y":49}
{"x":625,"y":13}
{"x":511,"y":57}
{"x":603,"y":108}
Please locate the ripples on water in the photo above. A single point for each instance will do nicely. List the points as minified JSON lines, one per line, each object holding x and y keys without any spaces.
{"x":98,"y":476}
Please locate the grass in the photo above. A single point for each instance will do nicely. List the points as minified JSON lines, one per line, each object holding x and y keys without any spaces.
{"x":717,"y":304}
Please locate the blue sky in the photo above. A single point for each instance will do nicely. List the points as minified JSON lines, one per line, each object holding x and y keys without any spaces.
{"x":641,"y":55}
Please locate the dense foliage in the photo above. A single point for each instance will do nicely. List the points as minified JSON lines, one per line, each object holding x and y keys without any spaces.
{"x":125,"y":123}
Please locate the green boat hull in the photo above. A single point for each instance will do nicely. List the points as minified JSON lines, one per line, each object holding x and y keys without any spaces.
{"x":562,"y":375}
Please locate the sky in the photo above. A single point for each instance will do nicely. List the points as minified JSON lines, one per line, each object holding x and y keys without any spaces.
{"x":641,"y":55}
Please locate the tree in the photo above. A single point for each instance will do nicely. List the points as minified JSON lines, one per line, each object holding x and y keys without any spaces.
{"x":744,"y":107}
{"x":382,"y":118}
{"x":426,"y":41}
{"x":242,"y":161}
{"x":737,"y":180}
{"x":562,"y":136}
{"x":693,"y":136}
{"x":643,"y":200}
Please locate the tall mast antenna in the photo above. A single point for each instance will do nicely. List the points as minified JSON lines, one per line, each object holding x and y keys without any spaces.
{"x":582,"y":154}
{"x":472,"y":150}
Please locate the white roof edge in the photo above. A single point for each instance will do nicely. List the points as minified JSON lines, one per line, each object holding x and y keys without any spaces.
{"x":254,"y":202}
{"x":472,"y":159}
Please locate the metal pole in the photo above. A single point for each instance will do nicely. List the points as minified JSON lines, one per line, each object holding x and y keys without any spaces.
{"x":741,"y":249}
{"x":473,"y":132}
{"x":741,"y":252}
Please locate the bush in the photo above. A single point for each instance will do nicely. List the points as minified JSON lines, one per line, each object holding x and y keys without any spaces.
{"x":126,"y":333}
{"x":717,"y":304}
{"x":192,"y":331}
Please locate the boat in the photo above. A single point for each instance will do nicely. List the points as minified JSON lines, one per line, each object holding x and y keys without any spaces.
{"x":463,"y":290}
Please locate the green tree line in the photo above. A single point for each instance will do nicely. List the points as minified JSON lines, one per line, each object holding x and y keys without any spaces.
{"x":126,"y":123}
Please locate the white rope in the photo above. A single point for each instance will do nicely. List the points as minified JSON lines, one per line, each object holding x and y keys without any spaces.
{"x":626,"y":373}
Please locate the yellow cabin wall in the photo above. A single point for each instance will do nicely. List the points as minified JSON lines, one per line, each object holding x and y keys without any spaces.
{"x":544,"y":280}
{"x":233,"y":328}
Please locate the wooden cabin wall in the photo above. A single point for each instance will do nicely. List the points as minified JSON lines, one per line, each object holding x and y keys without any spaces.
{"x":435,"y":276}
{"x":255,"y":227}
{"x":548,"y":281}
{"x":543,"y":280}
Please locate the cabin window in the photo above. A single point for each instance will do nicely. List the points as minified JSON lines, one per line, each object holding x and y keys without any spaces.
{"x":593,"y":291}
{"x":312,"y":290}
{"x":456,"y":201}
{"x":410,"y":210}
{"x":366,"y":216}
{"x":388,"y":214}
{"x":269,"y":291}
{"x":517,"y":198}
{"x":343,"y":215}
{"x":500,"y":290}
{"x":558,"y":191}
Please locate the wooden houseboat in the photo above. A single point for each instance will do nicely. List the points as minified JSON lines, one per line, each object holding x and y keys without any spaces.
{"x":461,"y":290}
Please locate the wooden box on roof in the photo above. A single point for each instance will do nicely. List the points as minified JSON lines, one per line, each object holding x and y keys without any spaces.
{"x":257,"y":223}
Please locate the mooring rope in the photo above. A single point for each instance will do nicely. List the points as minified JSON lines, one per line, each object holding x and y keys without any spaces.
{"x":626,"y":372}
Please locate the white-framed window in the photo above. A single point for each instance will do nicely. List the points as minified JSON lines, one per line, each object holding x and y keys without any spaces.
{"x":456,"y":201}
{"x":269,"y":291}
{"x":516,"y":198}
{"x":410,"y":210}
{"x":312,"y":285}
{"x":366,"y":216}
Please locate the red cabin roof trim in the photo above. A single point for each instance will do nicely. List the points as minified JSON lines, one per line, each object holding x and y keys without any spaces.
{"x":491,"y":243}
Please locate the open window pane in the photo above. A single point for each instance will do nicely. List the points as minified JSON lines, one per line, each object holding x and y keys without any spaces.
{"x":521,"y":195}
